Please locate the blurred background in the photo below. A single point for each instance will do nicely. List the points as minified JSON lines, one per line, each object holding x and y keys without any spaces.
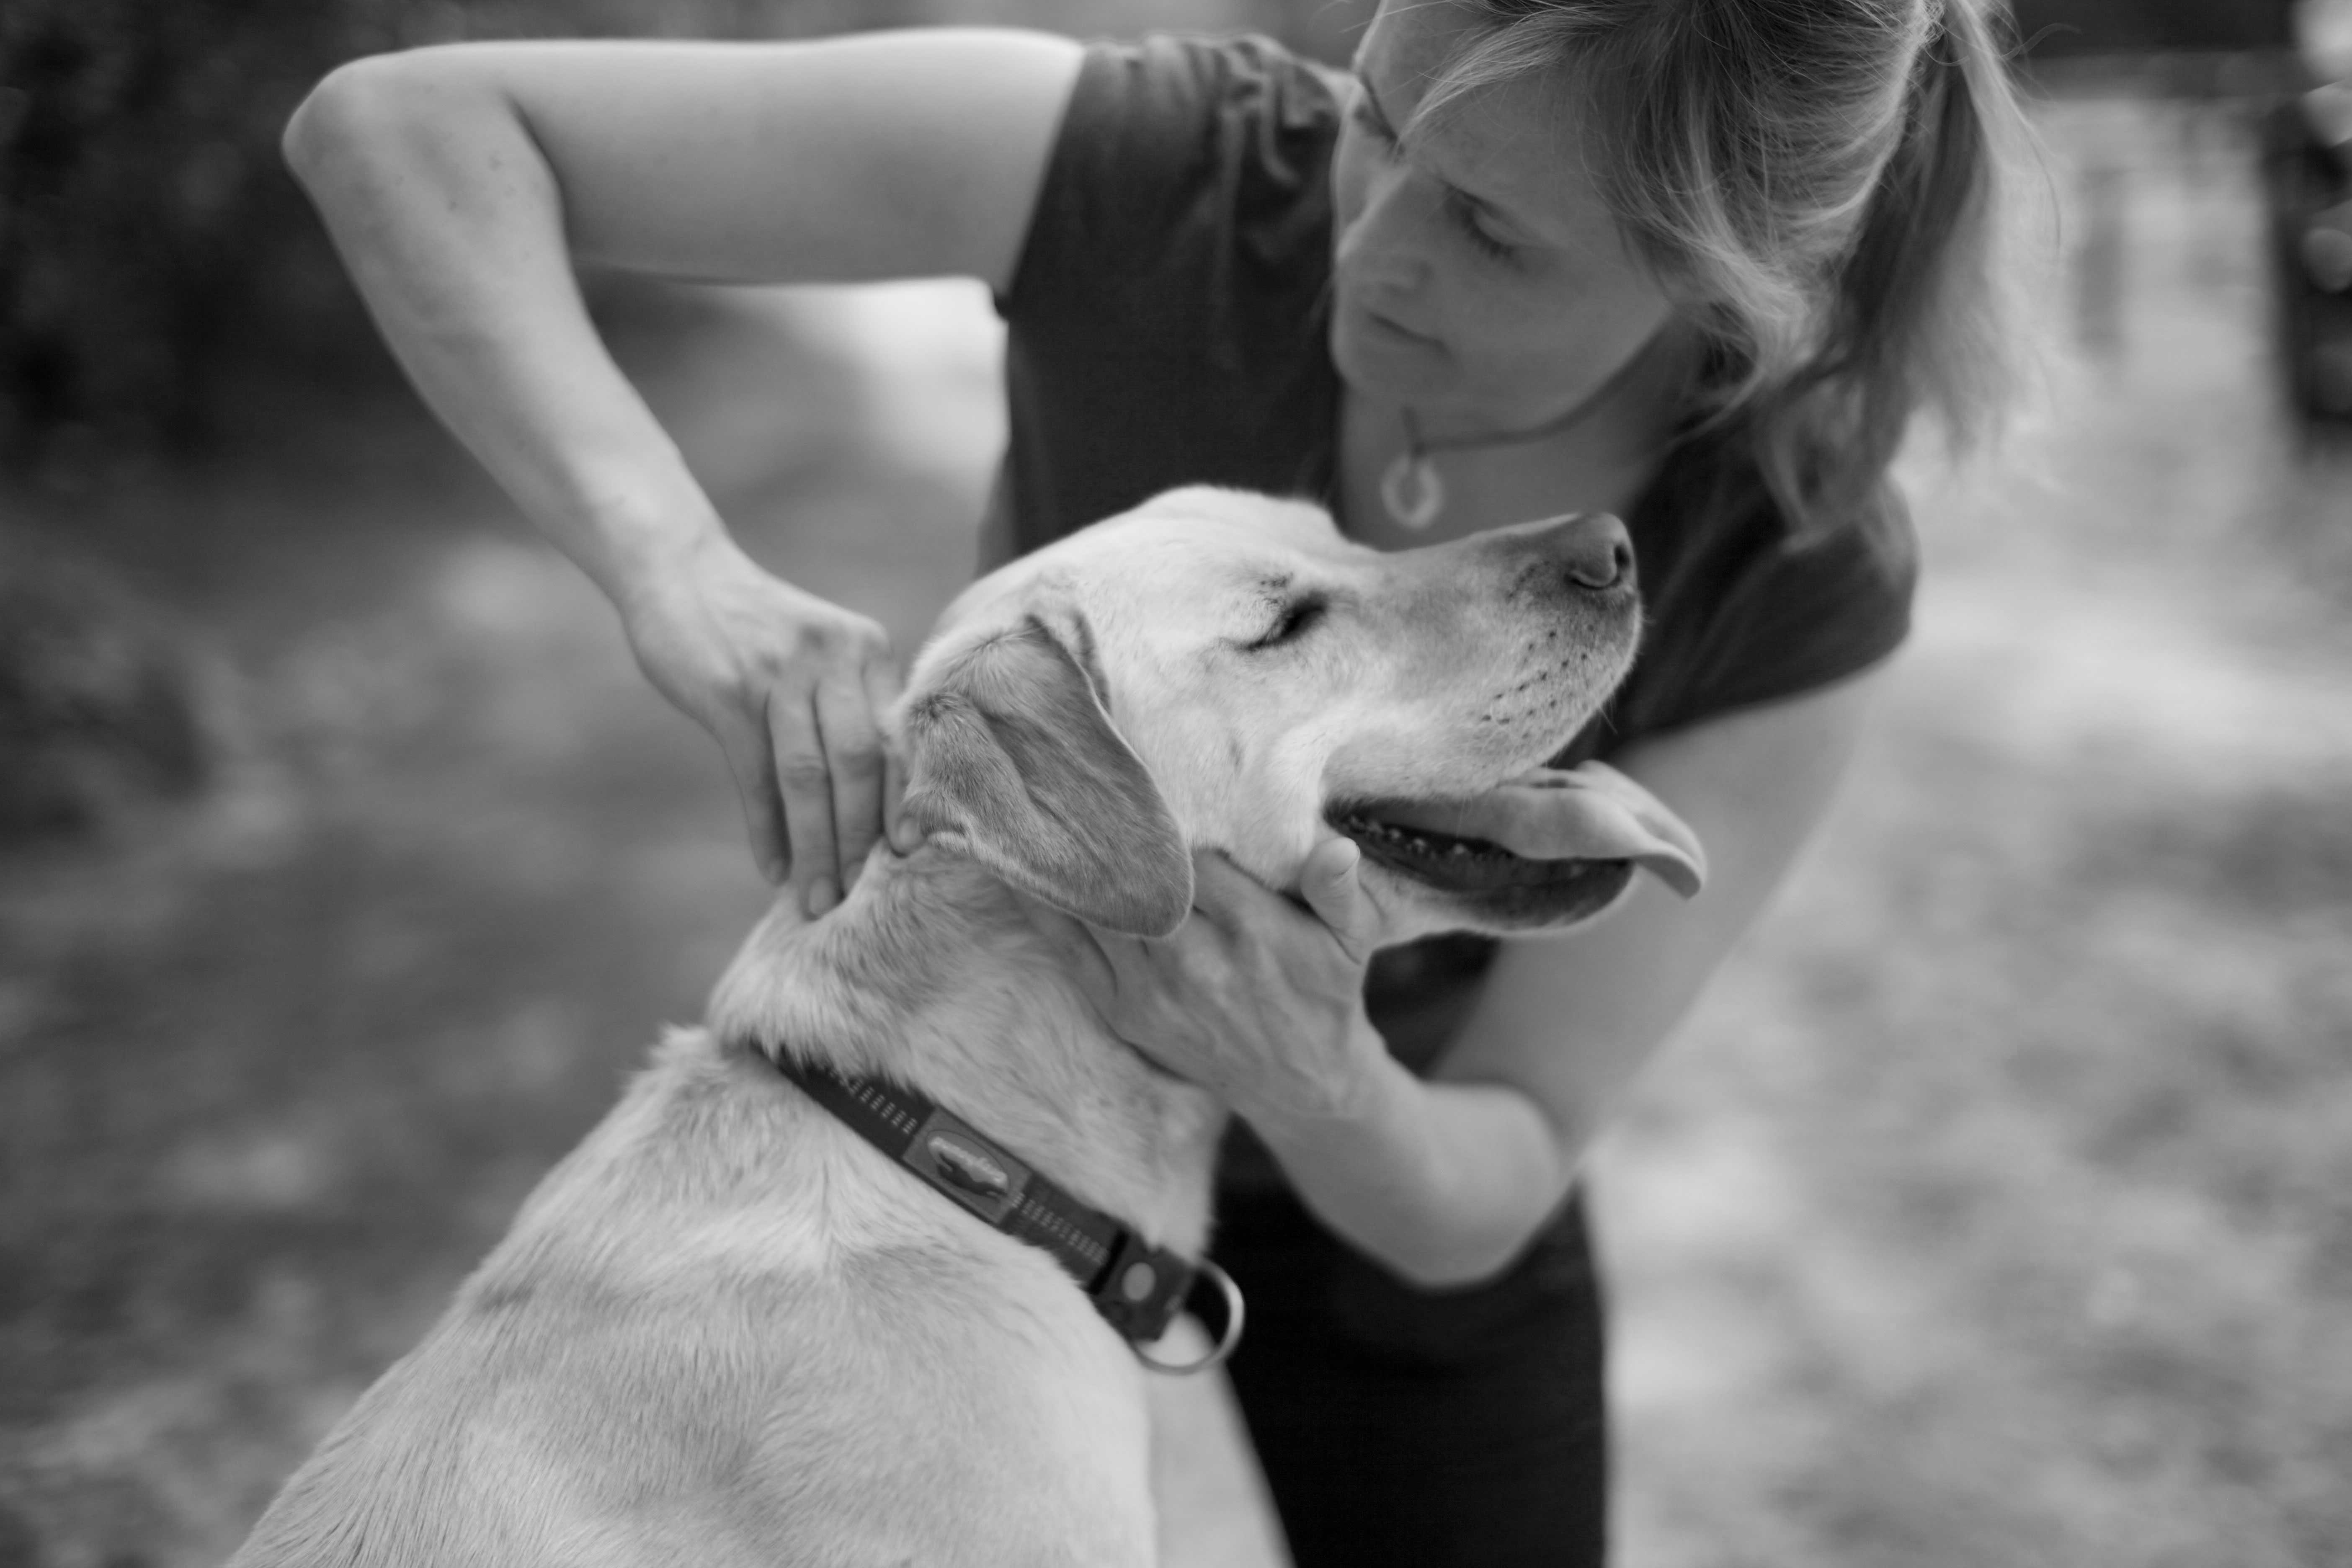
{"x":1995,"y":1208}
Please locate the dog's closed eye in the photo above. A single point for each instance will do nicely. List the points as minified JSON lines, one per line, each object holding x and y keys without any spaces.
{"x":1292,"y":618}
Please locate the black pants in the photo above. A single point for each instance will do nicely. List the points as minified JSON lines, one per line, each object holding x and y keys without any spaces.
{"x":1398,"y":1426}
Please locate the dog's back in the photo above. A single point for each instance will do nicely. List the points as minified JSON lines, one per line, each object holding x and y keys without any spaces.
{"x":714,"y":1334}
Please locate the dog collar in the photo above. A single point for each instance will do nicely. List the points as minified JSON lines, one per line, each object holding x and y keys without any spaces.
{"x":1137,"y":1287}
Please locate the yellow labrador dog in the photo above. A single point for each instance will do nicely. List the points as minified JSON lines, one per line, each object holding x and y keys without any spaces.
{"x":855,"y":1273}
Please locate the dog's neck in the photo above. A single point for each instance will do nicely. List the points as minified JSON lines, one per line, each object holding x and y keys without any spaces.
{"x":934,"y":974}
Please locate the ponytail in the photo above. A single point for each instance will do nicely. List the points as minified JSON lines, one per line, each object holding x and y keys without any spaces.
{"x":1918,"y":319}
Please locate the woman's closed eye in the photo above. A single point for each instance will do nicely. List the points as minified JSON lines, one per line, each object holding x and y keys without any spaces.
{"x":1462,"y":211}
{"x":1464,"y":214}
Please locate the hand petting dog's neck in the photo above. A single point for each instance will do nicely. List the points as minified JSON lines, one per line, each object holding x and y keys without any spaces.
{"x":930,"y":974}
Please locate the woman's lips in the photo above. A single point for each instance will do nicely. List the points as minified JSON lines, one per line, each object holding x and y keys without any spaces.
{"x":1390,"y":326}
{"x":1387,"y":325}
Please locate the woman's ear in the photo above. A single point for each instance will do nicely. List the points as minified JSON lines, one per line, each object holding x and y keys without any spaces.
{"x":1012,"y":759}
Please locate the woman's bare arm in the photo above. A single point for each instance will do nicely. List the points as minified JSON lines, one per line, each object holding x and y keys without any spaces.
{"x":462,"y":183}
{"x":1446,"y":1179}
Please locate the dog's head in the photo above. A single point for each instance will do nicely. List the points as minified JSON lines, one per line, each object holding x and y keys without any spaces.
{"x":1224,"y":670}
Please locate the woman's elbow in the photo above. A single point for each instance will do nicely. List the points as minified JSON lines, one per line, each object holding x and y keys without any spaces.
{"x":367,"y":117}
{"x":1481,"y":1215}
{"x":334,"y":120}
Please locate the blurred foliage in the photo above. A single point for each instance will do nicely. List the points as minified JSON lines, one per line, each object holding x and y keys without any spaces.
{"x":150,"y":241}
{"x":146,"y":224}
{"x":2108,"y":26}
{"x":98,"y":701}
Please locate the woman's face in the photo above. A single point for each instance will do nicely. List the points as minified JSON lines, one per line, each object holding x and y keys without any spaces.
{"x":1478,"y":275}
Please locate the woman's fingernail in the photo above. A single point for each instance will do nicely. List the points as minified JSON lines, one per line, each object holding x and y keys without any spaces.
{"x":821,"y":896}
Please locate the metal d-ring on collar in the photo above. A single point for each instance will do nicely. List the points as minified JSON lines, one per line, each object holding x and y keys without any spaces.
{"x":1137,"y":1287}
{"x":1229,"y":1336}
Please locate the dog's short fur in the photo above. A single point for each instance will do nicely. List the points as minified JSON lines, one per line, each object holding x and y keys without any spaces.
{"x":724,"y":1330}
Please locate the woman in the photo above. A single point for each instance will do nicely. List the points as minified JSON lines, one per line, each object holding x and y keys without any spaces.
{"x":1695,"y":263}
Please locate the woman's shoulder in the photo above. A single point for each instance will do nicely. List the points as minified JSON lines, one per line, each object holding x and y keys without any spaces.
{"x":1175,"y":154}
{"x":1172,"y":112}
{"x":1180,"y":71}
{"x":1163,"y":323}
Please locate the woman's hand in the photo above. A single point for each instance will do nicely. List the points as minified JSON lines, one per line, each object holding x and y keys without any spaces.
{"x":794,"y":688}
{"x":1254,"y":998}
{"x":463,"y":185}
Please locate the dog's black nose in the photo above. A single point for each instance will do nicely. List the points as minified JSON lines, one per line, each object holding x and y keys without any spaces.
{"x":1595,"y":550}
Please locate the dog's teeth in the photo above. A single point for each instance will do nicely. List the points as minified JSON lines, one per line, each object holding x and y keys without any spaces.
{"x":1407,"y":842}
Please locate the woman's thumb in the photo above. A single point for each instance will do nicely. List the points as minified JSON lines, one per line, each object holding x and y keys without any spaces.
{"x":1327,"y":882}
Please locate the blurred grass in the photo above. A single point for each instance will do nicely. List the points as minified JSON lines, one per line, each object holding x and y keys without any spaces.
{"x":1991,"y":1211}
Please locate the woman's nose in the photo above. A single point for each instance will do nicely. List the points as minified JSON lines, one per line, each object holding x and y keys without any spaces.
{"x":1381,"y":248}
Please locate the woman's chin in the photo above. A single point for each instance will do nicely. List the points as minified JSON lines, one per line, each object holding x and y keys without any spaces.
{"x":1386,"y":364}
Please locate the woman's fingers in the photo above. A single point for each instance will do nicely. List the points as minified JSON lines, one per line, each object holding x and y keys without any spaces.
{"x":851,"y":737}
{"x":1239,"y":907}
{"x":752,"y":767}
{"x":1254,"y":999}
{"x":795,"y":690}
{"x":904,"y":836}
{"x":1082,"y":956}
{"x":881,"y":681}
{"x":1221,"y":892}
{"x":804,"y":785}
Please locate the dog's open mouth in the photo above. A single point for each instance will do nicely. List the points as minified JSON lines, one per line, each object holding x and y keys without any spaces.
{"x":1455,"y":862}
{"x":1559,"y":831}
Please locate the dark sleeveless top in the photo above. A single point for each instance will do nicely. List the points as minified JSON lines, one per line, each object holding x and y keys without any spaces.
{"x":1167,"y":326}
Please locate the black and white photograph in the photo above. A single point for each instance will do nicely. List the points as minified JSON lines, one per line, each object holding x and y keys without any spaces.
{"x":1176,"y":783}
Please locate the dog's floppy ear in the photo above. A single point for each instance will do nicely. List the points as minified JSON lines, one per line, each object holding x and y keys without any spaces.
{"x":1013,"y":759}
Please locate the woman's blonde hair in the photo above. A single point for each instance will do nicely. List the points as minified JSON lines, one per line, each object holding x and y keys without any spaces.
{"x":1823,"y":182}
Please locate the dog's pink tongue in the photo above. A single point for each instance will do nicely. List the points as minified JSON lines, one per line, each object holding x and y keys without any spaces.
{"x":1588,"y":812}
